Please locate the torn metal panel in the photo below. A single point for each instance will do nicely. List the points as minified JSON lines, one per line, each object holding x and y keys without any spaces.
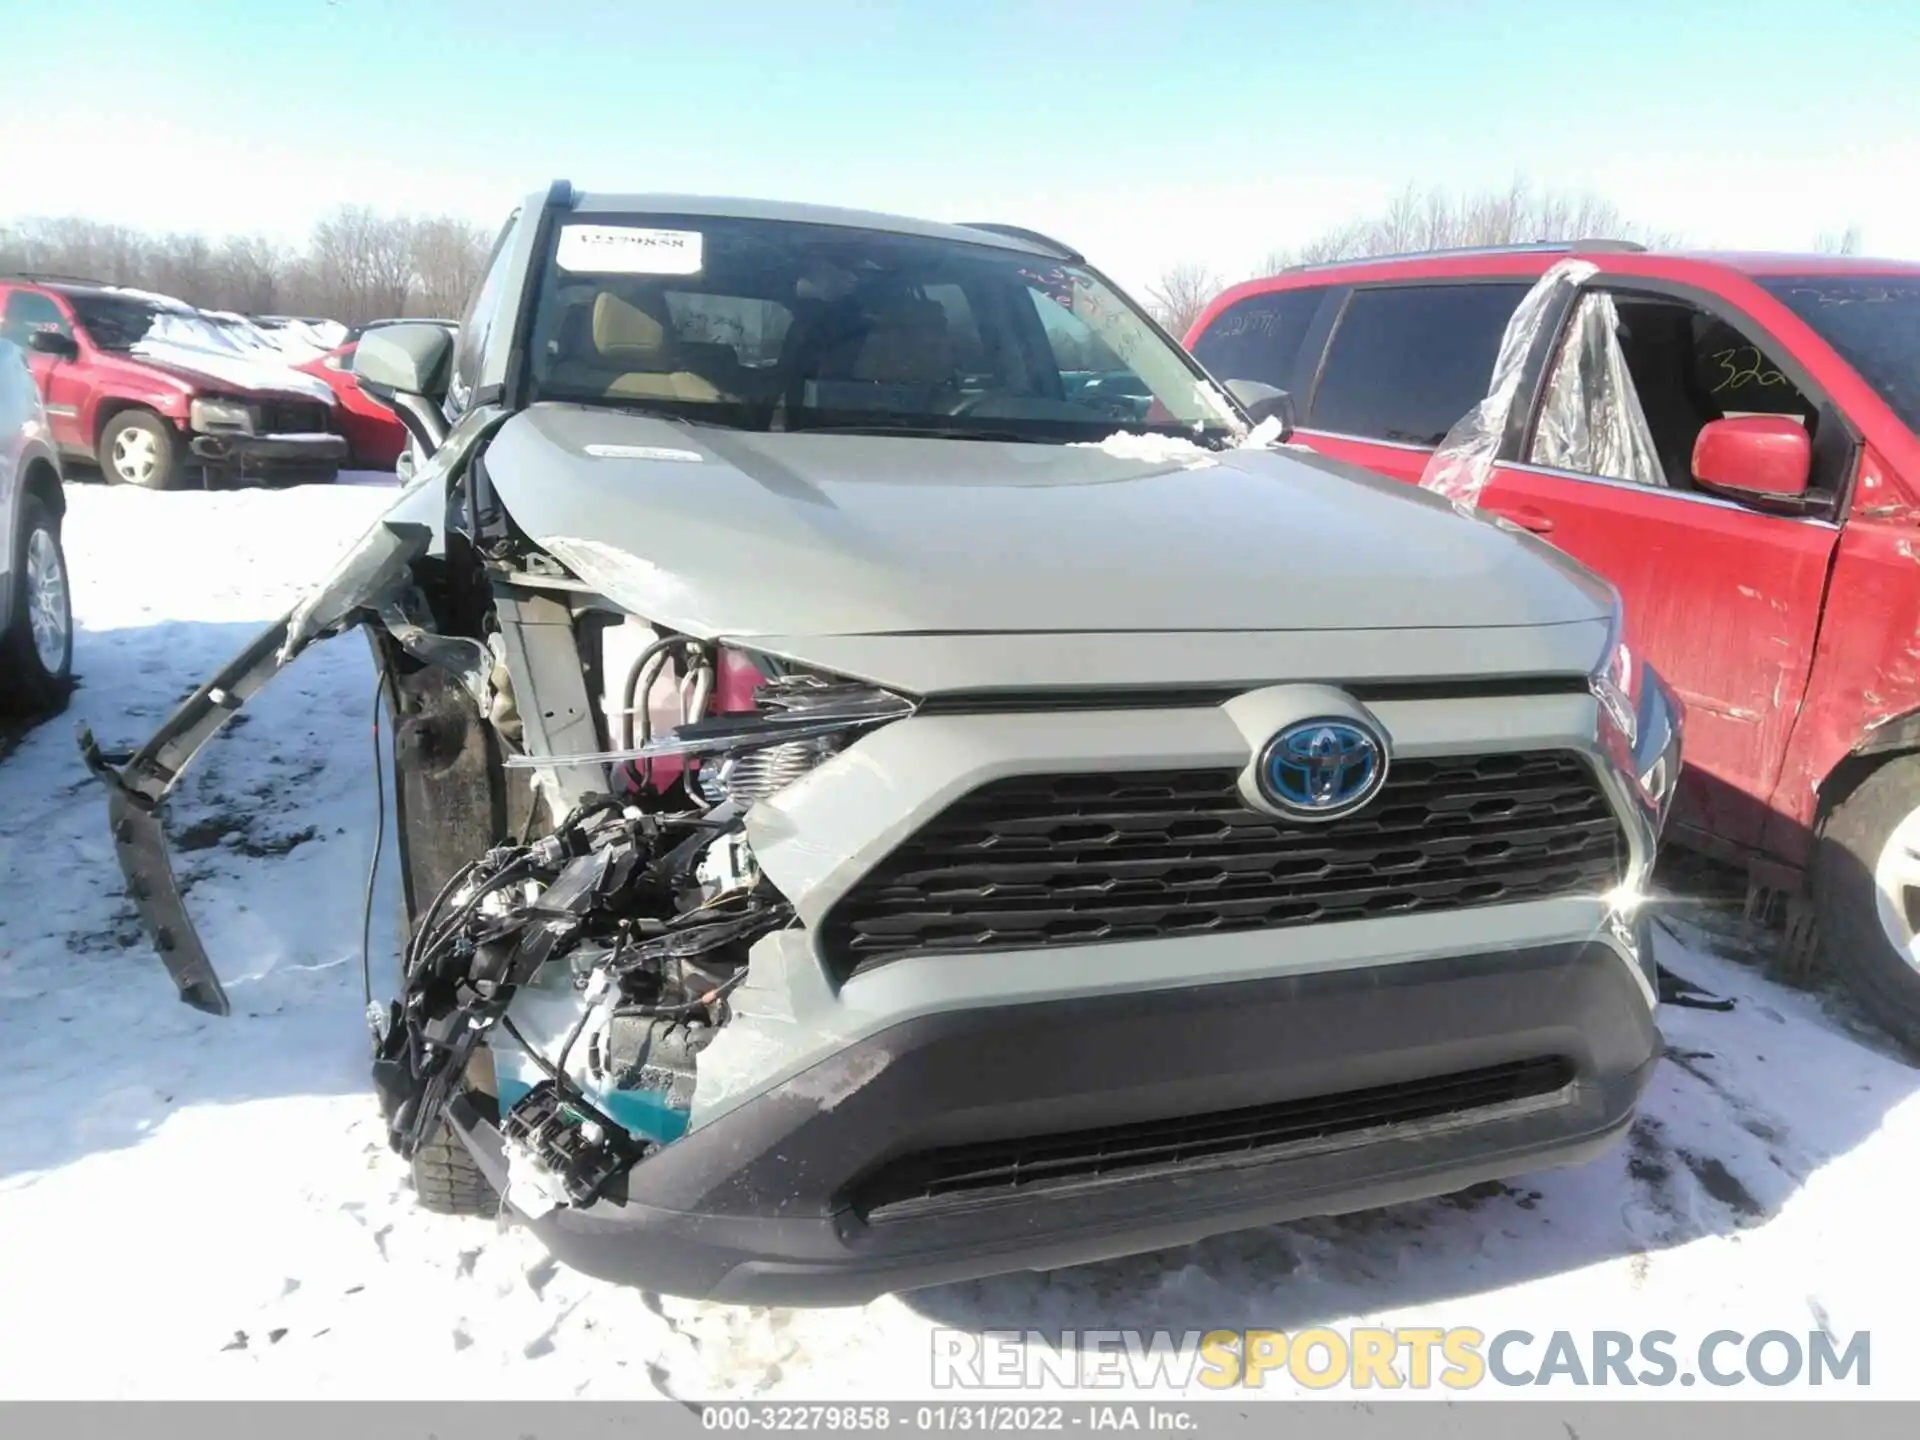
{"x":137,"y":790}
{"x":375,"y":571}
{"x":468,"y":661}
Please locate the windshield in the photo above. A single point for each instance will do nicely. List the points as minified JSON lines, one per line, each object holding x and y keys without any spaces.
{"x":125,"y":321}
{"x":768,"y":324}
{"x":113,"y":322}
{"x":1873,"y":322}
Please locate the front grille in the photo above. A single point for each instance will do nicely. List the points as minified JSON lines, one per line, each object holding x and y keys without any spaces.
{"x":965,"y":1174}
{"x":293,"y":417}
{"x":1036,"y":861}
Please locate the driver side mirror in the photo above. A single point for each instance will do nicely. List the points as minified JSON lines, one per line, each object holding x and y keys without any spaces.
{"x":403,"y":360}
{"x":1754,"y":457}
{"x":52,"y":342}
{"x":404,"y":367}
{"x":1264,"y":402}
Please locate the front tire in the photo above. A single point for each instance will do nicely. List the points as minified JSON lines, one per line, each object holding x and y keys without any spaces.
{"x":446,"y":1180}
{"x":139,"y":448}
{"x":36,"y":639}
{"x":1866,"y":892}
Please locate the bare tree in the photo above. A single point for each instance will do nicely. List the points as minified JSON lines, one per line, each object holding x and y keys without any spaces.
{"x":251,"y":274}
{"x":1437,"y":220}
{"x":183,"y":265}
{"x":1180,"y":294}
{"x":1847,"y":242}
{"x":86,"y":249}
{"x":448,"y":256}
{"x":361,"y":264}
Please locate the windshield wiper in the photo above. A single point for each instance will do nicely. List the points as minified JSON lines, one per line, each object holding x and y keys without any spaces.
{"x":932,"y":432}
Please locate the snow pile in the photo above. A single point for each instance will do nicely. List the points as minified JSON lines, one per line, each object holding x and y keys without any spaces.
{"x":226,"y":347}
{"x":1152,"y":448}
{"x":1267,"y":434}
{"x":1157,"y":449}
{"x":232,"y":1176}
{"x":180,"y":347}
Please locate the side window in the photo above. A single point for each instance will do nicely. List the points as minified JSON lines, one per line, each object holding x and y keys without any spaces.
{"x":1259,"y":338}
{"x":27,"y":311}
{"x":1636,"y":379}
{"x":1408,"y":361}
{"x":478,"y":321}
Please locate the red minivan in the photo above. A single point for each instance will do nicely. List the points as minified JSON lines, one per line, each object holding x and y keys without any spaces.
{"x":1761,"y":518}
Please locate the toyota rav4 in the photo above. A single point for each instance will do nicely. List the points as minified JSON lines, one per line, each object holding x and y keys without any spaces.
{"x":866,"y":820}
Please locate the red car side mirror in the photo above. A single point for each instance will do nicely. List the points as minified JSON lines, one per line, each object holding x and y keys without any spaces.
{"x":1754,"y":457}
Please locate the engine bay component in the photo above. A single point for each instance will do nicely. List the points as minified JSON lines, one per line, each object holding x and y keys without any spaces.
{"x":581,"y":1154}
{"x":791,"y":708}
{"x":595,"y":963}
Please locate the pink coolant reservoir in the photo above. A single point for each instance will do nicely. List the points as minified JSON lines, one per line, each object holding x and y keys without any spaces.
{"x":736,"y":684}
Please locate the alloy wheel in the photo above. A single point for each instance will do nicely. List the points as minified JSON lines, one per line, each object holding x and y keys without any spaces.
{"x":1896,"y":883}
{"x":49,"y":613}
{"x":134,"y":456}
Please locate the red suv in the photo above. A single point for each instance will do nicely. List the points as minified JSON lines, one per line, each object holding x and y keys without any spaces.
{"x":145,"y":385}
{"x":1731,"y":440}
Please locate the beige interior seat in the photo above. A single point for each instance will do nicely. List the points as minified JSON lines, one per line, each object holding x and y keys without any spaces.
{"x":632,"y":356}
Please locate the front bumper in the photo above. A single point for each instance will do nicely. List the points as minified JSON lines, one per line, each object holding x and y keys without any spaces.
{"x":761,"y":1204}
{"x":261,"y":452}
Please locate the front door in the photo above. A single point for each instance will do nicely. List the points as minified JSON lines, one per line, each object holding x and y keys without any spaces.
{"x":25,"y":313}
{"x":1722,"y":598}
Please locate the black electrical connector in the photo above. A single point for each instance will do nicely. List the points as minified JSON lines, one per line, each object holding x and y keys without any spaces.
{"x":584,"y":1153}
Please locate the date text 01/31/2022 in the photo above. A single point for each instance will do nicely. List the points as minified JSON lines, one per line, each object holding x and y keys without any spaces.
{"x":982,"y":1417}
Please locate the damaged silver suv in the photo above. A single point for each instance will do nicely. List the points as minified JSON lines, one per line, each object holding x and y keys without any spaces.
{"x":866,"y":821}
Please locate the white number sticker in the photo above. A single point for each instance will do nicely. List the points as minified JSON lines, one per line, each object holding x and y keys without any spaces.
{"x":628,"y":250}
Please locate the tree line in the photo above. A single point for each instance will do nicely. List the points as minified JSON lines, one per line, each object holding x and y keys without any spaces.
{"x":356,"y":265}
{"x":359,"y":264}
{"x":1435,"y":219}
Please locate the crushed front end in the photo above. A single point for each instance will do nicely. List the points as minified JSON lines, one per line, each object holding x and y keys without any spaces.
{"x":740,"y":975}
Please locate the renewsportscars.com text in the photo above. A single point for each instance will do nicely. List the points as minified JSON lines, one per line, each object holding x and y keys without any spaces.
{"x":1381,"y":1358}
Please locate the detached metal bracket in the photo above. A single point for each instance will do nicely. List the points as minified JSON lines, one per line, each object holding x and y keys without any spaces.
{"x":137,"y":790}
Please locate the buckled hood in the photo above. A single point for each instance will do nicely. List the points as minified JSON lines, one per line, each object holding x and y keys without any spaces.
{"x":730,"y":533}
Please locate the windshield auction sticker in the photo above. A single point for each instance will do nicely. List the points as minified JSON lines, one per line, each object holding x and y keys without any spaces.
{"x":628,"y":250}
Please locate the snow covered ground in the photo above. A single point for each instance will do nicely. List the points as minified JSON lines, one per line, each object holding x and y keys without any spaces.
{"x":201,"y":1207}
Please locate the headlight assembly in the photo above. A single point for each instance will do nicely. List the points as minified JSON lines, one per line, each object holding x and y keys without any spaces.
{"x":220,"y":417}
{"x":1640,"y":725}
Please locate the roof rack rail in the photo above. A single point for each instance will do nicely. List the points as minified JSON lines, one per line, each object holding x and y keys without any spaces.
{"x":46,"y":277}
{"x":1032,"y":237}
{"x":1545,"y":247}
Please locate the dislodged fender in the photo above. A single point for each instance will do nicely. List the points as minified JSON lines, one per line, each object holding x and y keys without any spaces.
{"x":371,"y":574}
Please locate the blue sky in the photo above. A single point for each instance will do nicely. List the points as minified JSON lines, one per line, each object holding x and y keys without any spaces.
{"x":1143,"y":133}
